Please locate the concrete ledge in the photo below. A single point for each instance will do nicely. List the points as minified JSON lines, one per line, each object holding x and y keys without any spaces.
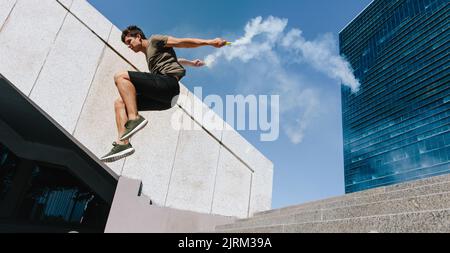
{"x":418,"y":222}
{"x":131,"y":213}
{"x":420,"y":206}
{"x":432,"y":202}
{"x":93,"y":19}
{"x":409,"y":189}
{"x":206,"y":117}
{"x":65,"y":3}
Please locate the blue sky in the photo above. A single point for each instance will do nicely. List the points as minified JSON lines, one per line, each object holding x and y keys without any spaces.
{"x":309,"y":167}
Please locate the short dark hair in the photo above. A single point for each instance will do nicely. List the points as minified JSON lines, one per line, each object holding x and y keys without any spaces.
{"x":132,"y":31}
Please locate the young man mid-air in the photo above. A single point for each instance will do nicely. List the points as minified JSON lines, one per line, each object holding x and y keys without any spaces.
{"x":140,"y":91}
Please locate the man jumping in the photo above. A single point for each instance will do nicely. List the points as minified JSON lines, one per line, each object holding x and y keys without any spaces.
{"x":140,"y":91}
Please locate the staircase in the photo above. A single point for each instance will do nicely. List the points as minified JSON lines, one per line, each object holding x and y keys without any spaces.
{"x":132,"y":212}
{"x":415,"y":206}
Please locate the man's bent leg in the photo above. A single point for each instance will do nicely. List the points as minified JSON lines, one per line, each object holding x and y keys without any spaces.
{"x":121,"y":149}
{"x":121,"y":119}
{"x":127,"y":92}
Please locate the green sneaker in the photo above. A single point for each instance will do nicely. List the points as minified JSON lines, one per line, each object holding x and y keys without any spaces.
{"x":133,"y":126}
{"x":118,"y":152}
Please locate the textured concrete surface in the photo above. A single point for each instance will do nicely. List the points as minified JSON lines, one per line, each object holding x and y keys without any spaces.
{"x":96,"y":127}
{"x":155,"y":152}
{"x":420,"y":206}
{"x":437,"y":221}
{"x":325,"y":202}
{"x":192,"y":181}
{"x":345,"y":202}
{"x":437,"y":185}
{"x":259,"y":230}
{"x":423,"y":222}
{"x":416,"y":183}
{"x":66,"y":3}
{"x":405,"y":193}
{"x":68,"y":72}
{"x":307,"y":216}
{"x":203,"y":115}
{"x":5,"y":9}
{"x":145,"y":218}
{"x":232,"y":190}
{"x":21,"y":65}
{"x":92,"y":18}
{"x":232,"y":140}
{"x":414,"y":204}
{"x":423,"y":203}
{"x":247,"y":152}
{"x":261,"y":195}
{"x":184,"y":93}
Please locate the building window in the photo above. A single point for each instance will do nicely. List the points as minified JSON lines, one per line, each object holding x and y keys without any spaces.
{"x":46,"y":197}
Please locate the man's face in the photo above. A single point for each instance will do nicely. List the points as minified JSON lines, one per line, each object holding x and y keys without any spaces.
{"x":134,"y":43}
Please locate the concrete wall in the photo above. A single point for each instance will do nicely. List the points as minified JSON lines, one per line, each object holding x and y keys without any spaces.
{"x":151,"y":219}
{"x":67,"y":66}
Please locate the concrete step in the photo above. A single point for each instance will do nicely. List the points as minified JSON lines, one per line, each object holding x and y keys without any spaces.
{"x":435,"y":201}
{"x":435,"y":221}
{"x":392,"y":195}
{"x":409,"y":189}
{"x":131,"y":212}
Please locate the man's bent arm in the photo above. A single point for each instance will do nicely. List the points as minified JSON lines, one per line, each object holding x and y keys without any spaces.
{"x":194,"y":63}
{"x":192,"y":42}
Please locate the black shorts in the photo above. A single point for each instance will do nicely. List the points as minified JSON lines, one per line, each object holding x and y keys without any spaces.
{"x":154,"y":91}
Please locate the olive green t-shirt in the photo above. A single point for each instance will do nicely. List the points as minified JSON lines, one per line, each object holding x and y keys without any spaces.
{"x":163,"y":60}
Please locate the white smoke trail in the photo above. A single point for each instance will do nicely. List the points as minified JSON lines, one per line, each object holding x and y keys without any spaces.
{"x":321,"y":54}
{"x":245,"y":48}
{"x":262,"y":36}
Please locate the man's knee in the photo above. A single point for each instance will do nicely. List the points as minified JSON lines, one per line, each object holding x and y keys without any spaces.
{"x":119,"y":104}
{"x":123,"y":75}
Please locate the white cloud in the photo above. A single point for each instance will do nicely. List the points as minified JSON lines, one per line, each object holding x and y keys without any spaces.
{"x":299,"y":105}
{"x":258,"y":52}
{"x":321,"y":54}
{"x":261,"y":37}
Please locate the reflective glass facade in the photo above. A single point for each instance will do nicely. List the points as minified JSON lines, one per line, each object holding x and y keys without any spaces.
{"x":40,"y":197}
{"x":397,"y":127}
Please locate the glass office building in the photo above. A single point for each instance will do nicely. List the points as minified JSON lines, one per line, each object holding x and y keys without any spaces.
{"x":396,"y":128}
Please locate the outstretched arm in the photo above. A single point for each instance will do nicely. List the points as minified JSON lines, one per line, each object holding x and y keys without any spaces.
{"x":194,"y":63}
{"x":192,"y":42}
